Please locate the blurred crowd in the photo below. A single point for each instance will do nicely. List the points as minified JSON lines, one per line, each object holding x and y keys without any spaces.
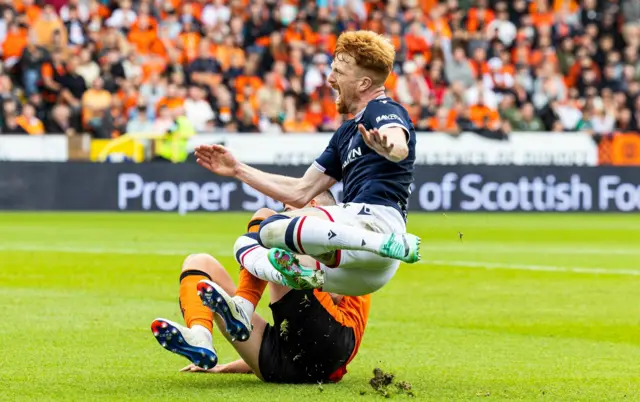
{"x":110,"y":67}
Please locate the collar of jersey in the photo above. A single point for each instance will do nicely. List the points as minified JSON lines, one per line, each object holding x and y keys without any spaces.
{"x":361,"y":113}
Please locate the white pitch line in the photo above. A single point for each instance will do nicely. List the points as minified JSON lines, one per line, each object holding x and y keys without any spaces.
{"x":478,"y":248}
{"x":453,"y":263}
{"x":103,"y":250}
{"x":519,"y":249}
{"x":526,"y":267}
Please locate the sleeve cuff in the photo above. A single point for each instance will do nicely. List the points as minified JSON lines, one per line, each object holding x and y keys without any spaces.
{"x":319,"y":167}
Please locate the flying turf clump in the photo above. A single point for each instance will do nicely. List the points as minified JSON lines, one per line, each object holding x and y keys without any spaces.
{"x":382,"y":383}
{"x":284,"y":328}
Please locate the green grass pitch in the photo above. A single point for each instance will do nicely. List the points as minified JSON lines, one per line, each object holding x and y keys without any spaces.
{"x":527,"y":307}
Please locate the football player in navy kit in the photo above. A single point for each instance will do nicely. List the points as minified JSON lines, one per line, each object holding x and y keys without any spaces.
{"x":358,"y":244}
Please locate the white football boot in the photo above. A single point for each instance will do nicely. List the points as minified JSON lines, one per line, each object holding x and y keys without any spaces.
{"x":237,"y":321}
{"x":193,"y":345}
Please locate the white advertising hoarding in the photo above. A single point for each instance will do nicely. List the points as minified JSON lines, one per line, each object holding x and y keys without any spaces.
{"x":552,"y":149}
{"x":556,"y":149}
{"x":37,"y":148}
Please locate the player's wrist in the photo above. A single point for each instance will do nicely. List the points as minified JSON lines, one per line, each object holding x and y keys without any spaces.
{"x":397,"y":154}
{"x":240,"y":171}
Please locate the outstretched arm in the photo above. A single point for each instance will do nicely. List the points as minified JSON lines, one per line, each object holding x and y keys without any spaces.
{"x":391,"y":143}
{"x":296,"y":192}
{"x":289,"y":190}
{"x":386,"y":128}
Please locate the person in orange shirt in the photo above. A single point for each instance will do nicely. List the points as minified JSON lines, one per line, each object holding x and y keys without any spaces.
{"x":188,"y":41}
{"x":483,"y":116}
{"x":29,"y":9}
{"x":543,"y":15}
{"x":14,"y":43}
{"x":444,"y":121}
{"x":143,"y":35}
{"x":314,"y":337}
{"x":48,"y":28}
{"x":479,"y":17}
{"x":326,"y":40}
{"x":29,"y":122}
{"x":415,"y":41}
{"x":299,"y":32}
{"x":228,"y":54}
{"x":95,"y":8}
{"x":314,"y":114}
{"x":299,"y":124}
{"x":95,"y":102}
{"x":172,"y":100}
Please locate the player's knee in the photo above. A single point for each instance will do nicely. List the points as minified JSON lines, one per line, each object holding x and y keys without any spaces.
{"x":271,"y":228}
{"x":244,"y":243}
{"x":370,"y":287}
{"x":368,"y":282}
{"x":201,"y":262}
{"x":374,"y":280}
{"x":259,"y":217}
{"x":263,"y":213}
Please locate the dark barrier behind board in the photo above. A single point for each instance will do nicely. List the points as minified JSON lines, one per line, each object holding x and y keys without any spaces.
{"x":185,"y":188}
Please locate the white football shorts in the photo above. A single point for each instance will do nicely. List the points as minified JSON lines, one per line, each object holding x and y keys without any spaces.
{"x":361,"y":272}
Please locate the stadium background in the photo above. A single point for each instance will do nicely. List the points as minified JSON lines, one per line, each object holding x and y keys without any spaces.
{"x":107,"y":68}
{"x":521,"y":106}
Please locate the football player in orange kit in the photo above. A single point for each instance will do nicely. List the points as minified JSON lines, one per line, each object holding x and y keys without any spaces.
{"x":314,"y":336}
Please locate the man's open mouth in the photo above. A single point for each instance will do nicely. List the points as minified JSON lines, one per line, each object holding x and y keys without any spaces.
{"x":338,"y":97}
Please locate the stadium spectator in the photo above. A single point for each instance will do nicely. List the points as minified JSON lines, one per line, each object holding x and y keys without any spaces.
{"x":528,"y":120}
{"x":9,"y":118}
{"x":484,"y":116}
{"x":10,"y":125}
{"x":41,"y":110}
{"x":112,"y":121}
{"x":603,"y":119}
{"x":123,"y":17}
{"x":444,"y":121}
{"x":73,"y":87}
{"x":59,"y":121}
{"x":28,"y":120}
{"x":412,"y":86}
{"x":479,"y":91}
{"x":205,"y":69}
{"x":76,"y":28}
{"x":270,"y":97}
{"x":458,"y":68}
{"x":163,"y":121}
{"x":317,"y":73}
{"x":49,"y":30}
{"x":95,"y":102}
{"x":152,"y":91}
{"x":88,"y":69}
{"x":172,"y":100}
{"x":247,"y":120}
{"x":502,"y":28}
{"x":215,"y":13}
{"x":198,"y":110}
{"x":15,"y":41}
{"x":249,"y":58}
{"x":299,"y":123}
{"x":7,"y":18}
{"x":72,"y":7}
{"x":508,"y":110}
{"x":30,"y":64}
{"x":172,"y":147}
{"x":139,"y":123}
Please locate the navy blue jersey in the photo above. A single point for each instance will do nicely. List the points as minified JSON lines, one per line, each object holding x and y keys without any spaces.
{"x":368,"y":177}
